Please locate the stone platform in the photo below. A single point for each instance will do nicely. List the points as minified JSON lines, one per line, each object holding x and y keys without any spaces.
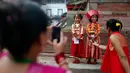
{"x":48,"y":59}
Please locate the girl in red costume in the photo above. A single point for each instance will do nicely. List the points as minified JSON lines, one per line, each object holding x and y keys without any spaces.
{"x":93,"y":30}
{"x":77,"y":47}
{"x":116,"y":59}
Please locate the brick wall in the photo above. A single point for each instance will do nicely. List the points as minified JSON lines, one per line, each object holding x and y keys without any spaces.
{"x":114,"y":7}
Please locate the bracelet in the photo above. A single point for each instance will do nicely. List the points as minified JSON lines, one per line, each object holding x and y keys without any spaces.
{"x":59,"y":56}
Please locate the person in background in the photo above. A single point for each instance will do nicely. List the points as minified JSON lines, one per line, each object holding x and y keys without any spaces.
{"x":93,"y":30}
{"x":77,"y":46}
{"x":116,"y":58}
{"x":24,"y":33}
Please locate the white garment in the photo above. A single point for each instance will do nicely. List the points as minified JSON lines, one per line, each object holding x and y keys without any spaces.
{"x":76,"y":41}
{"x":92,"y":36}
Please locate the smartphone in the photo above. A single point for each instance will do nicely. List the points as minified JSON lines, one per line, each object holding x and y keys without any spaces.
{"x":56,"y":33}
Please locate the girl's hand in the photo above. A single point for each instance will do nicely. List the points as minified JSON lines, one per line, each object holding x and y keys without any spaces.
{"x":78,"y":37}
{"x":89,"y":36}
{"x":75,"y":34}
{"x":95,"y":44}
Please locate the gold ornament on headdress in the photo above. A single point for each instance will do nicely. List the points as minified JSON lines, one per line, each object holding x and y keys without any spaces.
{"x":118,"y":24}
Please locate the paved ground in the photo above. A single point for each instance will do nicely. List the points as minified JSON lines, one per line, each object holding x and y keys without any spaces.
{"x":48,"y":59}
{"x":85,"y":71}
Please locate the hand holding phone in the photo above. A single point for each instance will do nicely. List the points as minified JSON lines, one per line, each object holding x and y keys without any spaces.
{"x":59,"y":47}
{"x":56,"y":33}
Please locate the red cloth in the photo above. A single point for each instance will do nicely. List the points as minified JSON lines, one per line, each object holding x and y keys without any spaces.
{"x":111,"y":62}
{"x":78,"y":50}
{"x":92,"y":51}
{"x":105,"y":67}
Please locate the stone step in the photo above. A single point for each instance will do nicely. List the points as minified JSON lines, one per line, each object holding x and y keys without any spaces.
{"x":85,"y":71}
{"x":48,"y":59}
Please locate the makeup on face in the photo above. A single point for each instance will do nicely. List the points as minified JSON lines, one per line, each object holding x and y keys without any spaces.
{"x":94,"y":18}
{"x":77,"y":19}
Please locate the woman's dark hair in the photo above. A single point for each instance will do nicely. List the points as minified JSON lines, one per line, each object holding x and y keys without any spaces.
{"x":79,"y":15}
{"x":20,"y":27}
{"x":114,"y":25}
{"x":91,"y":18}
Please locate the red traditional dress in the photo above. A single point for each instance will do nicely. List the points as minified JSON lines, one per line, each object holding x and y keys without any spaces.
{"x":92,"y":51}
{"x":93,"y":28}
{"x":111,"y":62}
{"x":77,"y":49}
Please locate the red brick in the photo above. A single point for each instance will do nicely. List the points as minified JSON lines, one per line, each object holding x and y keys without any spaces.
{"x":114,"y":7}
